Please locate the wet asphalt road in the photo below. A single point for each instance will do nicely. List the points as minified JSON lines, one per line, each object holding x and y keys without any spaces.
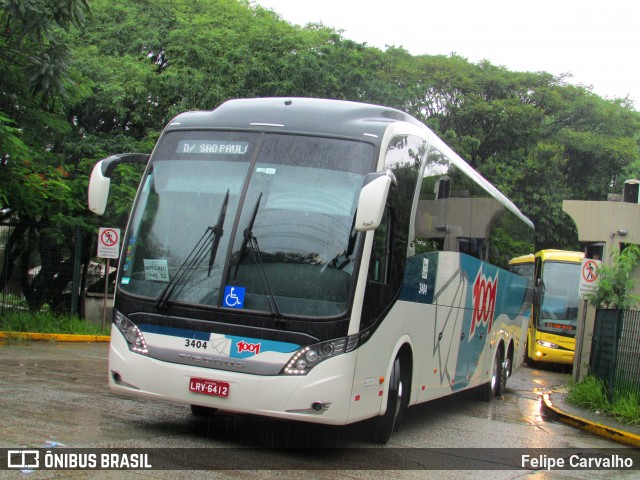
{"x":56,"y":393}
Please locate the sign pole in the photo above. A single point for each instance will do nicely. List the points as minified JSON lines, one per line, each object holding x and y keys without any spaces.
{"x":108,"y":247}
{"x":589,"y":280}
{"x":106,"y":292}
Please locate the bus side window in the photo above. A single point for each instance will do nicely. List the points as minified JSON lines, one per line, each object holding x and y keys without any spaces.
{"x":391,"y":238}
{"x":537,"y":286}
{"x":380,"y":288}
{"x":381,"y":252}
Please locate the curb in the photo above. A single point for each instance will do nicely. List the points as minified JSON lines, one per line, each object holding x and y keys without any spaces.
{"x":611,"y":433}
{"x":54,"y":337}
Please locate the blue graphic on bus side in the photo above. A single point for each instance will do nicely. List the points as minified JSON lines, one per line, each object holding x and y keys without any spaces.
{"x":233,"y":297}
{"x":490,"y":293}
{"x":230,"y":345}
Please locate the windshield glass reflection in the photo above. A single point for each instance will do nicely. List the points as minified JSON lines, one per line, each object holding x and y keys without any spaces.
{"x":178,"y":248}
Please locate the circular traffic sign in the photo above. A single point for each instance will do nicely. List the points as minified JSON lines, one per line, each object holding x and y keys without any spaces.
{"x":109,"y":242}
{"x":109,"y":237}
{"x":590,"y":271}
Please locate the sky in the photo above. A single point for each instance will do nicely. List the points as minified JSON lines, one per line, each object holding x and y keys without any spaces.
{"x":598,"y":43}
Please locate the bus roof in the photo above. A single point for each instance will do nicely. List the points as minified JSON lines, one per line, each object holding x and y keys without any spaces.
{"x":316,"y":116}
{"x":560,"y":255}
{"x":300,"y":115}
{"x":522,"y":259}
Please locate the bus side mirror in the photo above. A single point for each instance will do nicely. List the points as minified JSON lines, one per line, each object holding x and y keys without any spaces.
{"x":100,"y":180}
{"x":98,"y":189}
{"x":537,"y":289}
{"x":373,"y":198}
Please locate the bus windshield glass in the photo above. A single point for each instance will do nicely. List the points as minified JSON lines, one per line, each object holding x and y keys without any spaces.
{"x":559,"y":305}
{"x":523,"y":269}
{"x":293,"y":199}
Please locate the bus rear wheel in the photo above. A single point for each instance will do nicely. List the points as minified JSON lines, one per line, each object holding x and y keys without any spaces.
{"x":383,"y":427}
{"x":498,"y":381}
{"x":505,"y":371}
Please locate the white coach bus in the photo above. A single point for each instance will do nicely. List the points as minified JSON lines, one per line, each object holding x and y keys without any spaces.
{"x":314,"y":260}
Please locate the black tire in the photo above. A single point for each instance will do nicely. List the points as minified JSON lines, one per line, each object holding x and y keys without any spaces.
{"x":508,"y":365}
{"x":383,"y":427}
{"x":200,"y":411}
{"x":505,"y":369}
{"x":497,"y":382}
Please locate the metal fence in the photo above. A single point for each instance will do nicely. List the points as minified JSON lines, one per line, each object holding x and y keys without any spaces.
{"x":615,"y":351}
{"x":46,"y":267}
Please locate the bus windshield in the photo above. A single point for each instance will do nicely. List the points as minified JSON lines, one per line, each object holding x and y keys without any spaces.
{"x":559,"y":303}
{"x":292,"y":200}
{"x":523,"y":269}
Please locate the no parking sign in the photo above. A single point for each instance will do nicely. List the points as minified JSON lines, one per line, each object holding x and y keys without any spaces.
{"x":109,"y":242}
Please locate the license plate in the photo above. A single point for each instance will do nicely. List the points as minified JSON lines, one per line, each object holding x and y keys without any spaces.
{"x":209,"y":387}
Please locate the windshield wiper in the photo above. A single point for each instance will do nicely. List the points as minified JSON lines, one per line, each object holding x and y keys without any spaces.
{"x":196,"y":256}
{"x":248,"y":233}
{"x":569,"y":326}
{"x":218,"y":232}
{"x":343,"y":259}
{"x":252,"y":241}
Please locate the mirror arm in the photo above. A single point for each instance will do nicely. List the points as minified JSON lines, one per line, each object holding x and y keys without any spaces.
{"x":109,"y":164}
{"x":370,"y":177}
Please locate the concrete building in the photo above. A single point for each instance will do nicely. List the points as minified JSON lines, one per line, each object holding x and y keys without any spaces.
{"x":602,"y":226}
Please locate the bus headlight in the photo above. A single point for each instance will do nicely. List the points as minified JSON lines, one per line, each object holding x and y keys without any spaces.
{"x":546,"y":344}
{"x":308,"y":357}
{"x":131,"y":333}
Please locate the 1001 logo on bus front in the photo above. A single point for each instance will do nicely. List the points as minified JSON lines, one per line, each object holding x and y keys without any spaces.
{"x":484,"y":302}
{"x":248,"y":347}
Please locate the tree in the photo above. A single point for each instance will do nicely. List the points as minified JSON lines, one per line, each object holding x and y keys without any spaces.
{"x":535,"y":137}
{"x":34,"y":189}
{"x":79,"y":87}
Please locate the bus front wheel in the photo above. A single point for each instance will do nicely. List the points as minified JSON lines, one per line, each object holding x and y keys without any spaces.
{"x":382,"y":427}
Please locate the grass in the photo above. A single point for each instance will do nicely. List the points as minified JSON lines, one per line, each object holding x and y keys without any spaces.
{"x":45,"y":322}
{"x":591,"y":393}
{"x":627,"y":406}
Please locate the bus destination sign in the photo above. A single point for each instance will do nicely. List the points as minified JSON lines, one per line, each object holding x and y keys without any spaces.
{"x":212,"y":146}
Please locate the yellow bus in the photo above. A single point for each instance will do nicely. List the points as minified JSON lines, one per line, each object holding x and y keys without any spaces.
{"x":555,"y":275}
{"x":552,"y":330}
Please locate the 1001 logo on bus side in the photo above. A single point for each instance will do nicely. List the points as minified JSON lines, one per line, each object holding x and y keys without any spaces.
{"x":484,"y":302}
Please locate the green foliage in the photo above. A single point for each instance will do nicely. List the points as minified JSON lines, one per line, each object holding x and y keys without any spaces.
{"x":615,"y":282}
{"x":32,"y":41}
{"x":35,"y":84}
{"x":507,"y":247}
{"x":79,"y":85}
{"x":46,"y":322}
{"x":591,"y":394}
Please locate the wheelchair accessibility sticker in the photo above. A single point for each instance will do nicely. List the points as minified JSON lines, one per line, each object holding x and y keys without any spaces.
{"x":233,"y":297}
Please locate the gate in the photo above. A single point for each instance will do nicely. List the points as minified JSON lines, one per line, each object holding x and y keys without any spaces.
{"x":615,"y":351}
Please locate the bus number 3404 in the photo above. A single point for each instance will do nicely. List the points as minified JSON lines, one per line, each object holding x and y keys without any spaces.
{"x":195,"y":343}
